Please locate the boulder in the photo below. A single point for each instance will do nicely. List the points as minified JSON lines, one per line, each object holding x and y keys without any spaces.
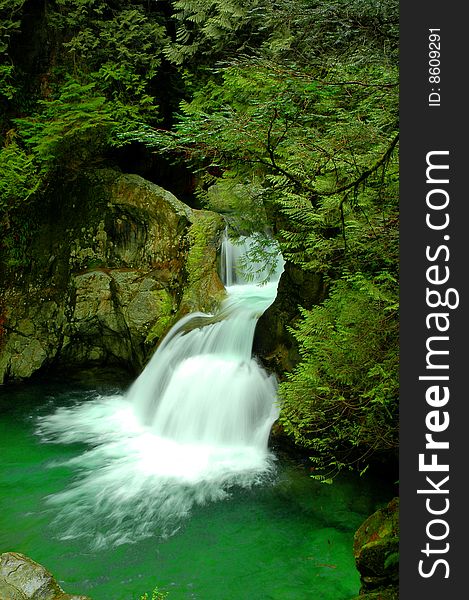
{"x":115,"y":262}
{"x":376,"y":551}
{"x":24,"y":579}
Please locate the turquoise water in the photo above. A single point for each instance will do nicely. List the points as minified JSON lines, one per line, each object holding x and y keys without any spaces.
{"x":286,"y":538}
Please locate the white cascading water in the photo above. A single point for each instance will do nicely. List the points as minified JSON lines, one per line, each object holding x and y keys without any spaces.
{"x":194,"y":423}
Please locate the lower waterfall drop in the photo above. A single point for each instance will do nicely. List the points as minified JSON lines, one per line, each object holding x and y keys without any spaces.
{"x":193,"y":424}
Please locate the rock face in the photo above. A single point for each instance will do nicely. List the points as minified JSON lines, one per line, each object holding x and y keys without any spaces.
{"x":115,"y":262}
{"x":273,"y":342}
{"x":376,"y":551}
{"x":23,"y":579}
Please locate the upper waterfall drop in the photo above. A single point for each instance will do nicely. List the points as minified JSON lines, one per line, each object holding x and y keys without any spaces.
{"x":251,"y":259}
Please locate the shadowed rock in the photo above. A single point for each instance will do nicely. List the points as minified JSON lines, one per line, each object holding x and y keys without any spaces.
{"x":376,"y":551}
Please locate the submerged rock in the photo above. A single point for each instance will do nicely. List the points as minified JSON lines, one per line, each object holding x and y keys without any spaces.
{"x":115,"y":262}
{"x":24,"y":579}
{"x":376,"y":551}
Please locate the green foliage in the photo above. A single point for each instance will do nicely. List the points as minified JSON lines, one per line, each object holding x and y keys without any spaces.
{"x":340,"y":401}
{"x":155,"y":595}
{"x":104,"y":58}
{"x":19,"y":180}
{"x":290,"y":116}
{"x":307,"y":124}
{"x":301,"y":31}
{"x":321,"y":150}
{"x":7,"y":84}
{"x":70,"y":131}
{"x":10,"y":22}
{"x":212,"y":28}
{"x":117,"y":45}
{"x":327,"y":32}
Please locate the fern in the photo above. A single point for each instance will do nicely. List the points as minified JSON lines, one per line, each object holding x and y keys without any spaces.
{"x":341,"y":400}
{"x":70,"y":130}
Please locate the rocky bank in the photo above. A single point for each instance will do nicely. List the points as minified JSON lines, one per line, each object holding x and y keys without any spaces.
{"x":114,"y":261}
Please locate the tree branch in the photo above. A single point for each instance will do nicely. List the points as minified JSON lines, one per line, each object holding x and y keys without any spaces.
{"x":365,"y":173}
{"x":362,"y":83}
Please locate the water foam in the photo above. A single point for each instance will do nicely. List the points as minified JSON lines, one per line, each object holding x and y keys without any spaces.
{"x":195,"y":423}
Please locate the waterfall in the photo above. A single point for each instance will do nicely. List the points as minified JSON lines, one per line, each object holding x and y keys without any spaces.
{"x":193,"y":424}
{"x":202,"y":385}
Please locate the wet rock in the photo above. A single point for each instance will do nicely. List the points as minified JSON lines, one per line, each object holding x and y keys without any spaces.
{"x":273,"y":342}
{"x":376,"y":551}
{"x":116,"y":261}
{"x":24,"y":579}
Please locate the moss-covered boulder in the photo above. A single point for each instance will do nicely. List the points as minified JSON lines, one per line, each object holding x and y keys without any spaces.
{"x":376,"y":551}
{"x":114,"y":262}
{"x":24,"y":579}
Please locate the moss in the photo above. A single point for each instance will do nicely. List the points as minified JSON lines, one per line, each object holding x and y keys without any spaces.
{"x":203,"y":290}
{"x":94,"y":263}
{"x":376,"y":550}
{"x":379,"y":527}
{"x":204,"y":228}
{"x":166,"y":318}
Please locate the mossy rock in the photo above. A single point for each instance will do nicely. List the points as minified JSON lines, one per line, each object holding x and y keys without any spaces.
{"x":24,"y":579}
{"x":165,"y":318}
{"x":116,"y":261}
{"x":376,"y":551}
{"x":204,"y":289}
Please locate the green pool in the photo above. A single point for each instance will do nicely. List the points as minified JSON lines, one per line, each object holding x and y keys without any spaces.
{"x":284,"y":537}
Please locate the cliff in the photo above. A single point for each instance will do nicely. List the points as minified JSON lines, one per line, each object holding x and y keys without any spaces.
{"x":114,"y":261}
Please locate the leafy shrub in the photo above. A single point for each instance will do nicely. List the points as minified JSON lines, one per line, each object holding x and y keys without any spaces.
{"x":71,"y":130}
{"x":19,"y":180}
{"x":155,"y":595}
{"x":341,"y":401}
